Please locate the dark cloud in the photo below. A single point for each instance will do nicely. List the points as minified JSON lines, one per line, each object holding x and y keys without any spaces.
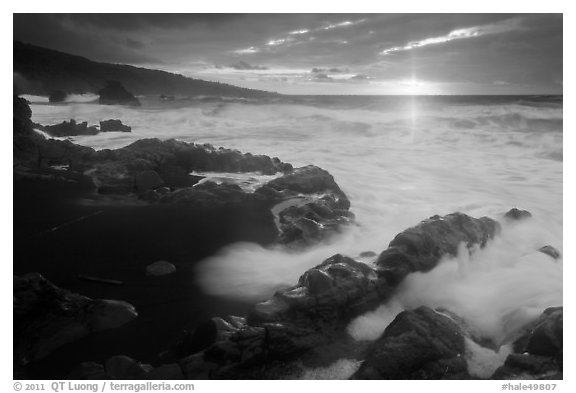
{"x":333,"y":70}
{"x":242,"y":65}
{"x":320,"y":77}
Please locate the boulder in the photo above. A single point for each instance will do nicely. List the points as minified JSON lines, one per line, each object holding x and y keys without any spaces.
{"x":114,"y":125}
{"x":539,"y":351}
{"x":420,"y":248}
{"x":418,"y":344}
{"x":114,"y":93}
{"x":160,"y":268}
{"x":47,"y":317}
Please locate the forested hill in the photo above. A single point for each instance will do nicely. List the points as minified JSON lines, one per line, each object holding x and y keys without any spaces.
{"x":41,"y":71}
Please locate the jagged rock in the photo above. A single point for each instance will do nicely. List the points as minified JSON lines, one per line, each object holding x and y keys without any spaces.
{"x":114,"y":125}
{"x":420,"y":248}
{"x":57,"y":96}
{"x":515,"y":214}
{"x":311,"y":180}
{"x":116,"y":94}
{"x":418,"y":344}
{"x":47,"y":317}
{"x":306,"y":220}
{"x":160,"y":268}
{"x":339,"y":287}
{"x":549,"y":250}
{"x":70,"y":128}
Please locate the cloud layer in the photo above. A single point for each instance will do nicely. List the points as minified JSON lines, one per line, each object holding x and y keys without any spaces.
{"x":299,"y":53}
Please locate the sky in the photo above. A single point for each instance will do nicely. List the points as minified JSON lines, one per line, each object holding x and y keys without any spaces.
{"x":323,"y":53}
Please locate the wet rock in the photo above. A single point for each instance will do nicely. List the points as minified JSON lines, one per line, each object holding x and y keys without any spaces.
{"x":539,"y":351}
{"x":545,"y":336}
{"x":160,"y":268}
{"x":420,"y":248}
{"x":515,"y":214}
{"x":549,"y":250}
{"x":337,"y":289}
{"x":70,"y":128}
{"x":209,"y":195}
{"x":114,"y":93}
{"x":311,"y":180}
{"x":418,"y":344}
{"x":47,"y":317}
{"x":114,"y":125}
{"x":526,"y":366}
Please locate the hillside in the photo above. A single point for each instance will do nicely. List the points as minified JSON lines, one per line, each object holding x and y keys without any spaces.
{"x":39,"y":70}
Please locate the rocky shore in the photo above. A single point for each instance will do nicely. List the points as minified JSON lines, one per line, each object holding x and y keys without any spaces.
{"x":299,"y":327}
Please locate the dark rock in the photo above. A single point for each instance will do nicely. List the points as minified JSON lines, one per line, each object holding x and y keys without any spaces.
{"x":147,"y":180}
{"x":549,"y":250}
{"x":418,"y":344}
{"x":88,"y":370}
{"x":545,"y":336}
{"x":209,"y":195}
{"x":57,"y":96}
{"x":160,"y":268}
{"x":515,"y":214}
{"x":526,"y":366}
{"x":323,"y":211}
{"x":311,"y":180}
{"x":166,"y":372}
{"x":70,"y":128}
{"x":47,"y":317}
{"x":539,"y":350}
{"x":420,"y":248}
{"x":115,"y":94}
{"x":124,"y":367}
{"x":114,"y":125}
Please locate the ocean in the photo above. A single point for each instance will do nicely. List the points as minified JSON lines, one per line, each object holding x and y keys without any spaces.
{"x":399,"y":159}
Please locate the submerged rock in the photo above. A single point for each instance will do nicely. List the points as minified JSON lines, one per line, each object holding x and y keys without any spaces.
{"x":114,"y":93}
{"x":47,"y":317}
